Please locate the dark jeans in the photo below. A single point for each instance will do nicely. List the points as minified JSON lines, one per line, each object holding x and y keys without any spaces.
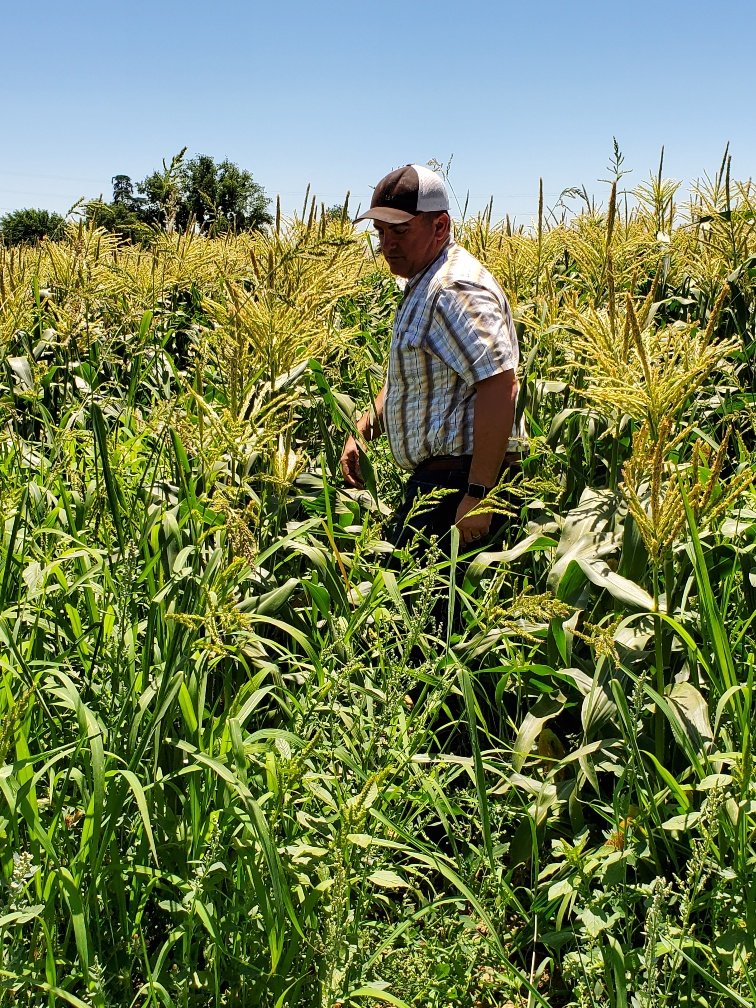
{"x":413,"y":530}
{"x":437,"y":519}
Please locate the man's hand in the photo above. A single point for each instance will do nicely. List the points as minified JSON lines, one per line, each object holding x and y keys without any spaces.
{"x":350,"y":464}
{"x":369,"y":427}
{"x":474,"y":527}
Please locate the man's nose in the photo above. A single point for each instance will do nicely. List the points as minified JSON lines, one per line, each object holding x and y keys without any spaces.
{"x":387,"y":242}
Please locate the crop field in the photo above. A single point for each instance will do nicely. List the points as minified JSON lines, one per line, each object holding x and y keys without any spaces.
{"x":242,"y":762}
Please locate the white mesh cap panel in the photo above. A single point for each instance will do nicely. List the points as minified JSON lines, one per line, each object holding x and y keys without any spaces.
{"x":431,"y":190}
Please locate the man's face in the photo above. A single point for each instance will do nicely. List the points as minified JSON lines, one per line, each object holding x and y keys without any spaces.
{"x":408,"y":248}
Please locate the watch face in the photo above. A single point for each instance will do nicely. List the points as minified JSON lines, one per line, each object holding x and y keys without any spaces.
{"x":477,"y":490}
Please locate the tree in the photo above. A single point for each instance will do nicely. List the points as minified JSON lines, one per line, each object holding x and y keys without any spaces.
{"x":31,"y":226}
{"x":123,"y":191}
{"x":119,"y":218}
{"x":125,"y":216}
{"x":216,"y":197}
{"x":162,"y":193}
{"x":223,"y":197}
{"x":338,"y":212}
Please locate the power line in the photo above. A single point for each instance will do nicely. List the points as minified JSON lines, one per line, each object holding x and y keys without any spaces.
{"x":34,"y":192}
{"x":54,"y":178}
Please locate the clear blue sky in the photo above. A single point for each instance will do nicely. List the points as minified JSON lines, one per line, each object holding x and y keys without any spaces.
{"x":337,"y":93}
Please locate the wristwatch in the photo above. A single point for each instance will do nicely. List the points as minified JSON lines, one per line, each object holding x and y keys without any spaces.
{"x":478,"y":491}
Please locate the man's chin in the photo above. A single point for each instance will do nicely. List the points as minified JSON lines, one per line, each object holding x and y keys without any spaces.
{"x":397,"y":268}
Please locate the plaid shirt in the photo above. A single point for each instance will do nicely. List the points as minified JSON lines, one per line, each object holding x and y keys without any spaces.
{"x":452,"y":329}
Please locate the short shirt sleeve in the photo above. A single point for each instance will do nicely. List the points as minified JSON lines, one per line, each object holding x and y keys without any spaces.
{"x":471,"y":332}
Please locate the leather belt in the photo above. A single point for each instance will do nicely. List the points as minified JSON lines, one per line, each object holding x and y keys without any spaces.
{"x":461,"y":463}
{"x":445,"y":463}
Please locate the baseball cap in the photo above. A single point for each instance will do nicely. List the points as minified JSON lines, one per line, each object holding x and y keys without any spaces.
{"x":405,"y":192}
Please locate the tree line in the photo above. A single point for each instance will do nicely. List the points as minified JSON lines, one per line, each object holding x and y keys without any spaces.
{"x":214,"y":197}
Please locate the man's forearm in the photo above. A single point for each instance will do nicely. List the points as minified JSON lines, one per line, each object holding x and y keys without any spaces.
{"x":495,"y":402}
{"x":370,"y":424}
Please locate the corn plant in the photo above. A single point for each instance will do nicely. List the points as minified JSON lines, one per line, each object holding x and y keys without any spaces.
{"x":243,"y":761}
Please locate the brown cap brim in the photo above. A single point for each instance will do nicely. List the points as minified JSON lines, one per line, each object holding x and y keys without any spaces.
{"x":386,"y":214}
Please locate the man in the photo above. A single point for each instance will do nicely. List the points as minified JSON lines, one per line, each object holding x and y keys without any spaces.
{"x":448,"y":404}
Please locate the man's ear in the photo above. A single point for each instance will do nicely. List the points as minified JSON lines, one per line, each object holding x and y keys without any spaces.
{"x":443,"y":224}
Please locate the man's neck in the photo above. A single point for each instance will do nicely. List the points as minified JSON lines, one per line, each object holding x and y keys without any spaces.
{"x":411,"y":281}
